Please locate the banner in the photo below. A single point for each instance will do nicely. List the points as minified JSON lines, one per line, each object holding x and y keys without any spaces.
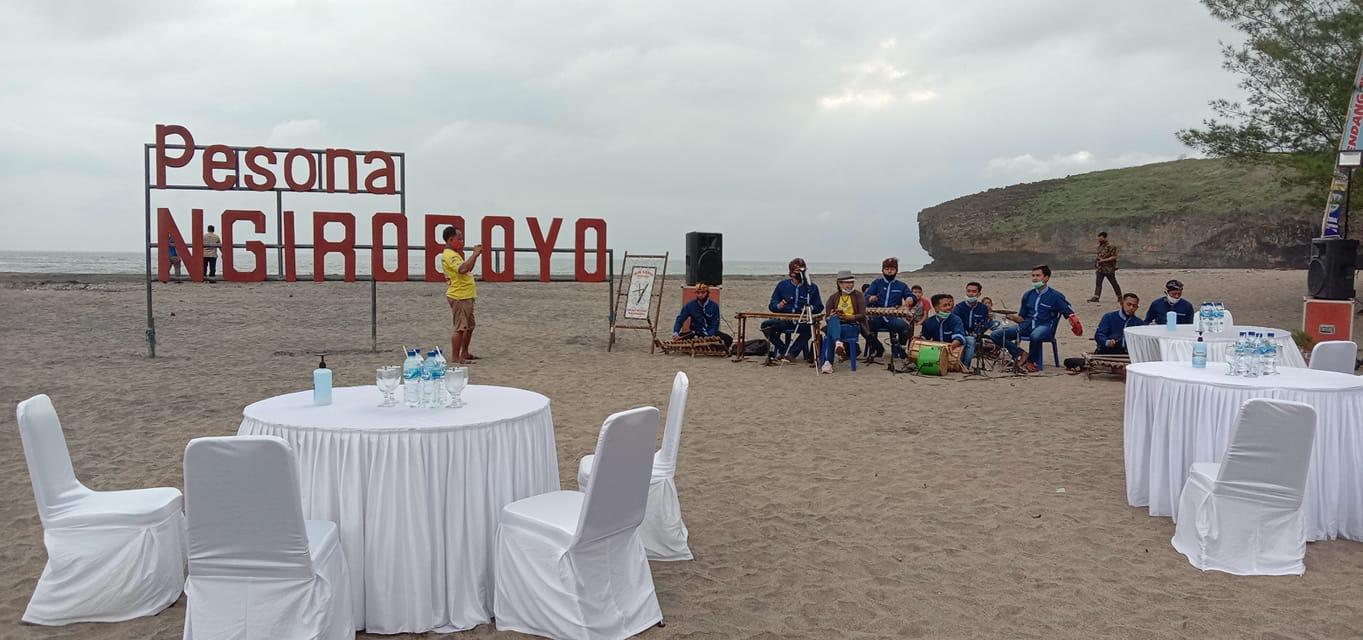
{"x":1348,"y":141}
{"x":640,"y":293}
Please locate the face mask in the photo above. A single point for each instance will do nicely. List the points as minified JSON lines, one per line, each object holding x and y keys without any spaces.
{"x":891,"y":277}
{"x":971,"y":299}
{"x":944,"y":314}
{"x":1172,"y":300}
{"x":846,"y":290}
{"x":1038,"y":284}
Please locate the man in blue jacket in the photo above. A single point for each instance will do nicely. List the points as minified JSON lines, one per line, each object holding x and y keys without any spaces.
{"x":1111,"y":333}
{"x":974,"y":318}
{"x":1172,"y":301}
{"x":704,"y":317}
{"x":792,"y":296}
{"x":886,"y":292}
{"x":1037,"y":318}
{"x":943,"y":325}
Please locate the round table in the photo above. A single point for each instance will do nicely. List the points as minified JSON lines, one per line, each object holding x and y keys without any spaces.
{"x":416,"y":493}
{"x":1177,"y":415}
{"x":1153,"y":343}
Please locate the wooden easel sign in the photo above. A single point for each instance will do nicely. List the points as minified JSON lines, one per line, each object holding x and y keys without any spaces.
{"x":642,"y":296}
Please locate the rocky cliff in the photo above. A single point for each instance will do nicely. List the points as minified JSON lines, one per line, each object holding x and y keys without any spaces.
{"x":1186,"y":213}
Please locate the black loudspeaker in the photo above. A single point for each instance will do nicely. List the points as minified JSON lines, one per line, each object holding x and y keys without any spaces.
{"x":704,"y":258}
{"x":1330,"y":271}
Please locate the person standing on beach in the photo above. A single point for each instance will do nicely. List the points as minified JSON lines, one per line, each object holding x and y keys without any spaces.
{"x":1105,"y":266}
{"x":211,"y":244}
{"x":174,"y":257}
{"x":461,"y":292}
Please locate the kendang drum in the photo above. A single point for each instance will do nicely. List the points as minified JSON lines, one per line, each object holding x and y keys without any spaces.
{"x":934,"y":358}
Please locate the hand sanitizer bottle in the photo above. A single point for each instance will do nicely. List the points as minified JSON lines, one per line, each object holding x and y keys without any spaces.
{"x":1199,"y":353}
{"x":321,"y":383}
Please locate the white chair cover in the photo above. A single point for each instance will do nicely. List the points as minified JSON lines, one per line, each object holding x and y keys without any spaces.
{"x":257,"y":570}
{"x":1243,"y":516}
{"x":663,"y":531}
{"x":570,"y":564}
{"x":1335,"y":355}
{"x":111,"y":555}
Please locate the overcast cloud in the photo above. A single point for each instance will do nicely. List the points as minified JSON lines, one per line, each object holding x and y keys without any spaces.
{"x":812,"y":128}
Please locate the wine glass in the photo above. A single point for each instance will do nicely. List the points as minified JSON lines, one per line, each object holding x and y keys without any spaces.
{"x":387,"y":378}
{"x":456,"y":378}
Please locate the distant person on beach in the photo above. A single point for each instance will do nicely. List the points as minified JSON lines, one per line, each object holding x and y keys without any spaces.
{"x":1105,"y":266}
{"x":845,"y":314}
{"x":1111,"y":333}
{"x":1037,"y":319}
{"x":974,"y":317}
{"x":1172,"y":301}
{"x":704,"y":316}
{"x":792,"y":295}
{"x":460,"y":293}
{"x":887,"y":292}
{"x":174,"y":256}
{"x":211,"y":244}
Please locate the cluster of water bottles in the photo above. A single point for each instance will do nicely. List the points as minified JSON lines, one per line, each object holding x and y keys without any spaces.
{"x":423,"y":381}
{"x":1254,"y":354}
{"x":1213,"y":317}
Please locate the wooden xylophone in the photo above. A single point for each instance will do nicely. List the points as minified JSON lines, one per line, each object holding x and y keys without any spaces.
{"x":742,"y":317}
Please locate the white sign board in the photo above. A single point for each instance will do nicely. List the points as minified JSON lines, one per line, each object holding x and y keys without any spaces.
{"x":640,"y":292}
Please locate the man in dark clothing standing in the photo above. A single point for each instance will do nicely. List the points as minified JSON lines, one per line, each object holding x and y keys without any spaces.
{"x":1105,"y":266}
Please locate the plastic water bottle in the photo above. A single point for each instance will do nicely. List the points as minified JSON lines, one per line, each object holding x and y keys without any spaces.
{"x":1253,"y":363}
{"x":1219,"y":313}
{"x":1204,"y":315}
{"x":1236,"y":356}
{"x":411,"y":378}
{"x":437,"y":378}
{"x":428,"y":380}
{"x":1270,"y":354}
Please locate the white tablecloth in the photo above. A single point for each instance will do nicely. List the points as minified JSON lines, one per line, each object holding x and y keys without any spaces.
{"x":416,"y":493}
{"x":1177,"y":415}
{"x":1153,"y":343}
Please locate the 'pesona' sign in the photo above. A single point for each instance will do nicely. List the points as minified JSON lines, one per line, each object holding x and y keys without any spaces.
{"x":219,"y":167}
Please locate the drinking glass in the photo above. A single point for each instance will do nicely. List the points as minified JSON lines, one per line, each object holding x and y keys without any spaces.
{"x":456,"y":378}
{"x":387,"y":379}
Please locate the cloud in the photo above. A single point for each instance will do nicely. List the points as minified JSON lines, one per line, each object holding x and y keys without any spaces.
{"x":875,"y":83}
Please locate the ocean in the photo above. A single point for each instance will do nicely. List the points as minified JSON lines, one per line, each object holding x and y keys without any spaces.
{"x":526,"y":264}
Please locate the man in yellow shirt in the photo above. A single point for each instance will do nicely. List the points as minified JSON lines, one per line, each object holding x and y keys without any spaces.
{"x":461,"y":292}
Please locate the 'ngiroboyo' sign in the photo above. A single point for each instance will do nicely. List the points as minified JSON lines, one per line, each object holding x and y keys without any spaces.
{"x":174,"y":162}
{"x":330,"y":171}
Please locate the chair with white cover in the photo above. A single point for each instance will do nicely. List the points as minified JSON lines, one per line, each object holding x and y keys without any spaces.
{"x":111,"y":555}
{"x":570,"y":564}
{"x":663,"y":531}
{"x":1335,"y":355}
{"x":1243,"y":516}
{"x":257,"y":570}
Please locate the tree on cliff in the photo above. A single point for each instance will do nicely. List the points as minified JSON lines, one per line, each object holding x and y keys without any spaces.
{"x":1297,"y":66}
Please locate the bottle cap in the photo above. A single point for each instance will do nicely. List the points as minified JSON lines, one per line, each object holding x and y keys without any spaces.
{"x":323,"y":363}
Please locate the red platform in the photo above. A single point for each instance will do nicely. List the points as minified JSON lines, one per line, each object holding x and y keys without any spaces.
{"x":1328,"y":319}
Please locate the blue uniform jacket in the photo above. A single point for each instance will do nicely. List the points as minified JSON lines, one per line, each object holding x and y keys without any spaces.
{"x":1158,"y":309}
{"x":1112,"y":326}
{"x":948,"y":330}
{"x":889,"y":293}
{"x":796,"y":297}
{"x":704,"y":320}
{"x":971,"y":317}
{"x":1044,"y":307}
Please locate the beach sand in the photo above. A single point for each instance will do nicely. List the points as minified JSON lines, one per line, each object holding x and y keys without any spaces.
{"x":843,"y":506}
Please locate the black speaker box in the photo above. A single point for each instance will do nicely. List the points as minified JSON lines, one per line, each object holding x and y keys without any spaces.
{"x":1330,"y":270}
{"x":704,"y":258}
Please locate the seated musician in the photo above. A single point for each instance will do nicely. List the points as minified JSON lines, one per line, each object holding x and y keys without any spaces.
{"x":1172,"y":301}
{"x":886,"y":292}
{"x":974,"y":317}
{"x":943,"y":325}
{"x":792,"y":296}
{"x":704,"y":317}
{"x":1039,"y":314}
{"x":1110,"y":335}
{"x":845,"y":314}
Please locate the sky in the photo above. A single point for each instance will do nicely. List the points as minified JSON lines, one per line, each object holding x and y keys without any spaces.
{"x":818,"y":129}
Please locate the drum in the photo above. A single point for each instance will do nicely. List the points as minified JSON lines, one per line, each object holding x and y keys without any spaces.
{"x":929,"y":360}
{"x":945,"y":361}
